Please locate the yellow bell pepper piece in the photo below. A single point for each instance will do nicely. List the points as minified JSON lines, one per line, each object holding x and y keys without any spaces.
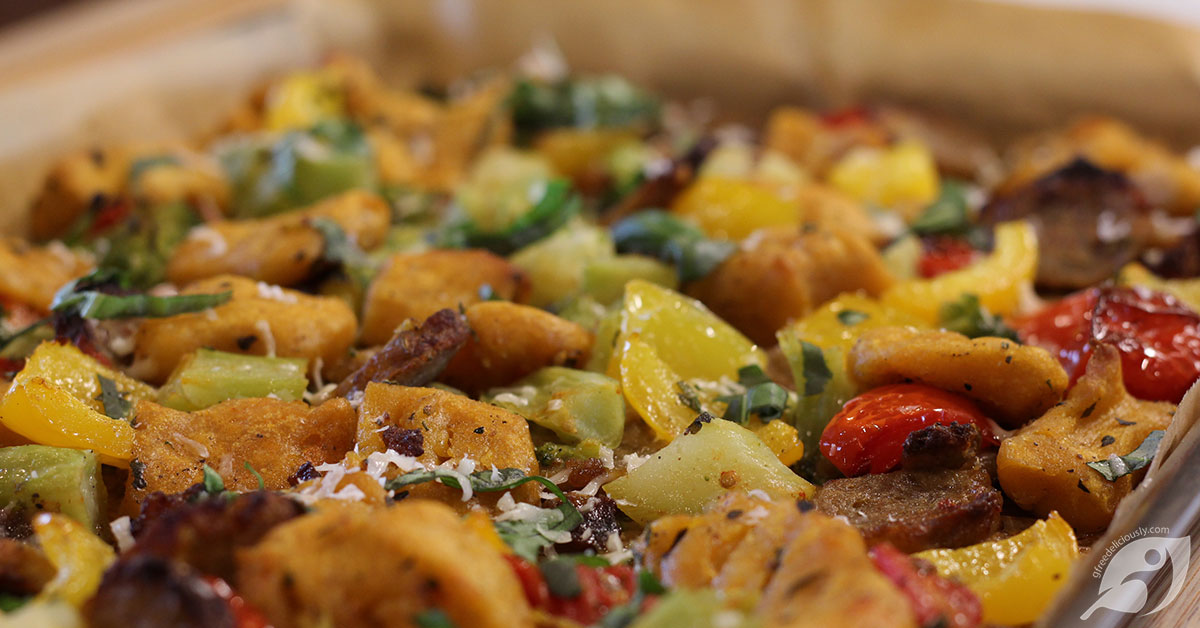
{"x":998,"y":280}
{"x":664,"y":338}
{"x":732,"y":209}
{"x":904,"y":174}
{"x":54,"y":401}
{"x":79,"y":557}
{"x":1186,"y":290}
{"x":301,"y":100}
{"x":1017,"y":577}
{"x":841,"y":321}
{"x":783,"y":439}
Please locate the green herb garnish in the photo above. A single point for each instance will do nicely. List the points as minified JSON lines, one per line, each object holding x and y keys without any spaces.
{"x":116,"y":405}
{"x":258,"y":476}
{"x":763,"y":398}
{"x":816,"y":371}
{"x":852,"y":317}
{"x":659,"y":234}
{"x":561,"y":578}
{"x":433,"y":618}
{"x":1118,"y":466}
{"x":557,"y":205}
{"x":526,"y":537}
{"x":83,"y":298}
{"x":968,"y":317}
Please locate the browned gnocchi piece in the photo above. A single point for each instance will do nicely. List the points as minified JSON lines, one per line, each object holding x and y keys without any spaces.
{"x":798,"y":567}
{"x":274,"y":437}
{"x":78,"y":181}
{"x":782,"y":273}
{"x":260,"y":319}
{"x":281,"y":249}
{"x":451,"y":427}
{"x":380,"y":567}
{"x":1011,"y":382}
{"x":1043,"y":468}
{"x":509,"y":341}
{"x":32,"y":274}
{"x":415,"y":285}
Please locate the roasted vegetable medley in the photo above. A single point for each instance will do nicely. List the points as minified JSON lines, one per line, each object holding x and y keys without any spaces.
{"x":548,"y":350}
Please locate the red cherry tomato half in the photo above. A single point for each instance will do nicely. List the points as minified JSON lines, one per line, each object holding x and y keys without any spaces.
{"x":1157,"y":335}
{"x":942,"y":255}
{"x":868,"y":434}
{"x":601,"y":590}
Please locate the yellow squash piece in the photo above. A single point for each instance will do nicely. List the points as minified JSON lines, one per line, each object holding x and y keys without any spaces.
{"x":79,"y":557}
{"x":732,"y":209}
{"x":1017,"y":577}
{"x":901,"y":176}
{"x":666,"y":338}
{"x":841,"y":321}
{"x":998,"y":280}
{"x":54,"y":401}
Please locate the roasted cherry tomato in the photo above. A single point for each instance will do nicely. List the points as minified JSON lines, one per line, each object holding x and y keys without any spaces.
{"x":600,"y":590}
{"x":942,"y":254}
{"x":868,"y":434}
{"x":244,"y":615}
{"x":1158,"y":337}
{"x":936,"y":601}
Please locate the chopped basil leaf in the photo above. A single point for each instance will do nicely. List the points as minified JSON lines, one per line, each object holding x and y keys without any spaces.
{"x":968,"y":317}
{"x":433,"y":618}
{"x":339,"y":249}
{"x":116,"y":406}
{"x":948,"y":212}
{"x":84,"y":298}
{"x":213,"y":484}
{"x":561,"y":578}
{"x":604,"y":101}
{"x":20,"y":343}
{"x":852,"y":317}
{"x":688,"y":395}
{"x":816,"y":371}
{"x":10,"y":602}
{"x":557,"y":205}
{"x":659,"y":234}
{"x":526,"y":537}
{"x":1117,"y":466}
{"x":258,"y":476}
{"x":763,"y":398}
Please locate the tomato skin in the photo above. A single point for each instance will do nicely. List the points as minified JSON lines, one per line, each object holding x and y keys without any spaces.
{"x":602,"y":589}
{"x":1063,"y":328}
{"x":942,"y":255}
{"x":1157,"y":335}
{"x":935,"y":600}
{"x":867,"y":436}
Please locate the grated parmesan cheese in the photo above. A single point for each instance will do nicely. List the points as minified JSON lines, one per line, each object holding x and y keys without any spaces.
{"x":274,"y":293}
{"x":198,"y":448}
{"x":205,"y":234}
{"x":264,"y":328}
{"x":633,"y":461}
{"x":121,"y":532}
